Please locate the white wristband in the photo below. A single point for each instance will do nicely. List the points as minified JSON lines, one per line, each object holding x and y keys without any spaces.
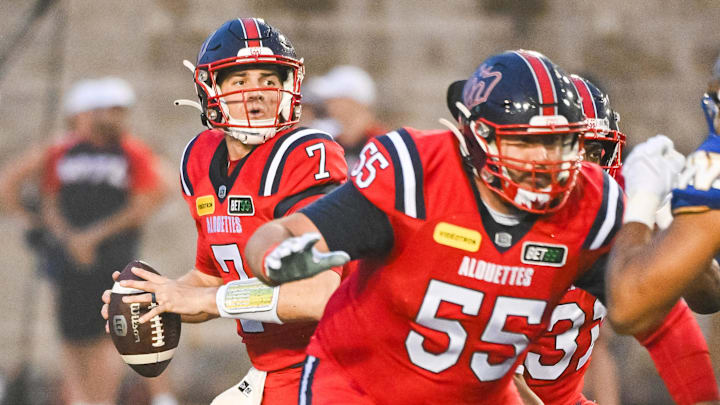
{"x":248,"y":299}
{"x":641,"y":207}
{"x":663,"y":216}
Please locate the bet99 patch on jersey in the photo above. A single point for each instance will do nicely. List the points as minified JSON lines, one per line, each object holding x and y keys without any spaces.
{"x":240,"y":205}
{"x":544,"y":254}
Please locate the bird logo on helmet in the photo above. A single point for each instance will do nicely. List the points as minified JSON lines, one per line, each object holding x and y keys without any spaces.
{"x":520,"y":94}
{"x":247,"y":43}
{"x":603,"y":130}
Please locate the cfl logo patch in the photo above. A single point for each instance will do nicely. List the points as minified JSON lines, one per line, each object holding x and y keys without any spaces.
{"x":119,"y":325}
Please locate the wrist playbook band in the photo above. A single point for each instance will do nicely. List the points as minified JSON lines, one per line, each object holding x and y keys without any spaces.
{"x":248,"y":299}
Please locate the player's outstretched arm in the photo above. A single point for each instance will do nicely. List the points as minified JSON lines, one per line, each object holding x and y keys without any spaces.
{"x":289,"y":249}
{"x":647,"y":276}
{"x":703,"y":293}
{"x":198,"y":297}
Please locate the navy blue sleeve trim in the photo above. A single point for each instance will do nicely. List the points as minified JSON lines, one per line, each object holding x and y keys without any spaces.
{"x":417,"y":165}
{"x":609,"y":217}
{"x":402,"y":167}
{"x":350,"y":222}
{"x":600,"y":216}
{"x":288,"y":202}
{"x":184,"y":177}
{"x":399,"y":185}
{"x":593,"y":280}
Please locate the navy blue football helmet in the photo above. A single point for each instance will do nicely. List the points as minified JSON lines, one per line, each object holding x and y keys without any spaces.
{"x":603,"y":130}
{"x":521,"y":94}
{"x":251,"y":43}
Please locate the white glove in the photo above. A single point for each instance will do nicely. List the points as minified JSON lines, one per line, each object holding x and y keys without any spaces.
{"x":296,"y":258}
{"x":651,"y":170}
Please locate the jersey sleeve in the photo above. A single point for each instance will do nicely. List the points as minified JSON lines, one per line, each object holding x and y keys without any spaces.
{"x":186,"y":169}
{"x":597,"y":244}
{"x":608,"y":218}
{"x":144,"y":175}
{"x":303,"y":160}
{"x":389,"y":174}
{"x":699,"y":184}
{"x":350,"y":222}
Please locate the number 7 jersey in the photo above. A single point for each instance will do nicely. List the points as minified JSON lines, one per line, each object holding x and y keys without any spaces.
{"x":287,"y":172}
{"x":446,"y":315}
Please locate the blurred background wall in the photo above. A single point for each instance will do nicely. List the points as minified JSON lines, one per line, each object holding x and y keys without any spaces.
{"x":653,"y":57}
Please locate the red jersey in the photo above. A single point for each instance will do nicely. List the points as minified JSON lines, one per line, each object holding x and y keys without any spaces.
{"x":287,"y":172}
{"x":447,"y":314}
{"x":556,"y":363}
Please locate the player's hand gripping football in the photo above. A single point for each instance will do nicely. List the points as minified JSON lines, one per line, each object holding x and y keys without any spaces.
{"x":650,"y":172}
{"x":296,"y":258}
{"x":170,"y":295}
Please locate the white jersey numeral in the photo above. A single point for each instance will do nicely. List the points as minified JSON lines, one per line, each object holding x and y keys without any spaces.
{"x":470,"y":301}
{"x":495,"y":333}
{"x":566,"y":341}
{"x":231,"y":253}
{"x":322,"y":173}
{"x":365,"y":172}
{"x":437,"y":292}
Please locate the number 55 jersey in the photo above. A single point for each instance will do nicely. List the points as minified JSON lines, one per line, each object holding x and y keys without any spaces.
{"x":230,"y":201}
{"x":442,"y":309}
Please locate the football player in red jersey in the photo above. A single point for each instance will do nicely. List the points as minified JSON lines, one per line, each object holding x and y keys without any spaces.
{"x":251,"y":166}
{"x":468,"y":238}
{"x":555,"y":365}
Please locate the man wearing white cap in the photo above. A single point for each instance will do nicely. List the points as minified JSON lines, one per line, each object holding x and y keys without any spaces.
{"x":349,"y":94}
{"x":96,"y":186}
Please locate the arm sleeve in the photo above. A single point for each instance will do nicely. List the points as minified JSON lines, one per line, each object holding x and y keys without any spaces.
{"x":350,"y":222}
{"x":681,"y":356}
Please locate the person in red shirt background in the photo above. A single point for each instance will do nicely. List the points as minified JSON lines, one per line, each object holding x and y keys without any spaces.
{"x":95,"y":187}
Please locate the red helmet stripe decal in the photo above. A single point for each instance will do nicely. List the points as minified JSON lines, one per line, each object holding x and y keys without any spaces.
{"x":251,"y":31}
{"x":543,"y":82}
{"x":588,"y":101}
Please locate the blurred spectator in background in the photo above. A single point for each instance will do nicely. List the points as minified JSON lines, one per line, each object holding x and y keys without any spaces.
{"x":348,"y":95}
{"x":94,"y":188}
{"x":314,"y":111}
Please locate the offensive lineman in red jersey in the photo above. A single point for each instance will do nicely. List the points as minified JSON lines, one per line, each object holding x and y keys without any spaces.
{"x":252,"y":166}
{"x":556,"y":363}
{"x":466,"y":259}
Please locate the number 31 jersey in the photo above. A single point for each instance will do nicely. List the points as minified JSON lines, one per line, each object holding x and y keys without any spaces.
{"x":446,"y":315}
{"x":287,"y":172}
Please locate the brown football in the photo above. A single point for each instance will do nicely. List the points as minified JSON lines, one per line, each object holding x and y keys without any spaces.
{"x":149,"y":347}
